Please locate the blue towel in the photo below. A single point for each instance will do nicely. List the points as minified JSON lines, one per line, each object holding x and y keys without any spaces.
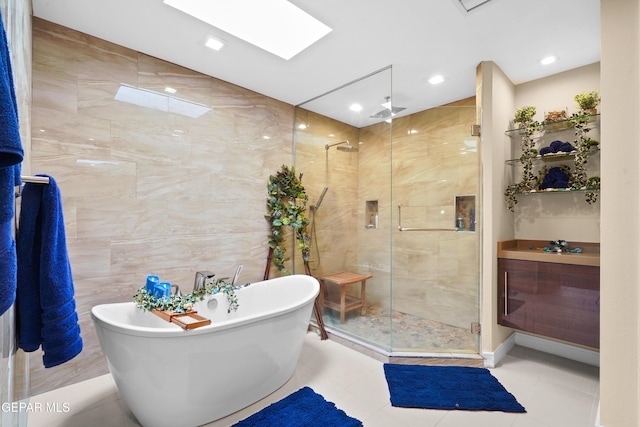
{"x":11,"y":155}
{"x":10,"y":146}
{"x":45,"y":295}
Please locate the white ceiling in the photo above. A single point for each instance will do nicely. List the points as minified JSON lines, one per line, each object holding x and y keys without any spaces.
{"x":418,"y":38}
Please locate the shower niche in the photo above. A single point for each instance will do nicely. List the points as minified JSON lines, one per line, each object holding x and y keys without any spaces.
{"x":465,"y":212}
{"x":371,"y":214}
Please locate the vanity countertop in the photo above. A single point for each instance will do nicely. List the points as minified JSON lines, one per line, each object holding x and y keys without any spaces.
{"x":532,"y":250}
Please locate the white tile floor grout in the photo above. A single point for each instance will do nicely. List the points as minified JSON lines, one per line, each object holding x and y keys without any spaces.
{"x":556,"y":392}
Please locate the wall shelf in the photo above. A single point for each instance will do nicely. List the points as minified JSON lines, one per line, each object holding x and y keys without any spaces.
{"x":562,"y":172}
{"x":557,"y":157}
{"x":560,"y":125}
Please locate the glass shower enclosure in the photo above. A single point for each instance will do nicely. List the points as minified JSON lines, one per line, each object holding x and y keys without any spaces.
{"x":393,"y":194}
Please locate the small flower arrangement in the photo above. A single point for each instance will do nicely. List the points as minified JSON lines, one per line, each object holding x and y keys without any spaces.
{"x":184,"y":303}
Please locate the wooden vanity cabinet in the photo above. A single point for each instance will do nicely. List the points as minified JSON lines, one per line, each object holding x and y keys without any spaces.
{"x":555,"y":300}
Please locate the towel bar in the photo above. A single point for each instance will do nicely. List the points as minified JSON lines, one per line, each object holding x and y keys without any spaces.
{"x":35,"y":179}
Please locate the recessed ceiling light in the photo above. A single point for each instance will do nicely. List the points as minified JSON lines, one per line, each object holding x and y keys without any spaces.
{"x":170,"y":90}
{"x":214,"y":43}
{"x":356,"y":107}
{"x":302,"y":126}
{"x":548,"y":60}
{"x":276,"y":26}
{"x":436,"y":80}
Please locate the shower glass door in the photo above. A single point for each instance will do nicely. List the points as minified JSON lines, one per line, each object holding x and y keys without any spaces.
{"x":371,"y":167}
{"x":435,"y":185}
{"x":342,"y":146}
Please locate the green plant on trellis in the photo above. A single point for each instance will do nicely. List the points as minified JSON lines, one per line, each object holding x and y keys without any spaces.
{"x":287,"y":203}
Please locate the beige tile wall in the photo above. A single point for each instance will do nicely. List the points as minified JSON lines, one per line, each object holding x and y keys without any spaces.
{"x":333,"y":225}
{"x":145,"y":191}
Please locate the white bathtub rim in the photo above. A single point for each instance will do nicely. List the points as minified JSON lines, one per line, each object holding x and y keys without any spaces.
{"x":172,"y":330}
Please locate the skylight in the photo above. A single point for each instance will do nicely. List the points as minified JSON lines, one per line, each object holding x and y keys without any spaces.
{"x":276,"y":26}
{"x":159,"y":101}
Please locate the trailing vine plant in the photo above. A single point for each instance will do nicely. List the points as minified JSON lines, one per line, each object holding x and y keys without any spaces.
{"x":287,"y":203}
{"x":184,"y":303}
{"x":524,"y":117}
{"x":583,"y":144}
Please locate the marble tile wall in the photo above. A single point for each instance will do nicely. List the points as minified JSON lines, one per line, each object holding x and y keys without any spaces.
{"x":374,"y":249}
{"x":333,"y":225}
{"x":147,"y":191}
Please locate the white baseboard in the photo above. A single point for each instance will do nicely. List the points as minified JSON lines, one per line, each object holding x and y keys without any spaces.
{"x":568,"y":351}
{"x":491,"y":359}
{"x":598,"y":416}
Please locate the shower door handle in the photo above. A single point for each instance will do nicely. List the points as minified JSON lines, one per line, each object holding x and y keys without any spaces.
{"x":401,"y":228}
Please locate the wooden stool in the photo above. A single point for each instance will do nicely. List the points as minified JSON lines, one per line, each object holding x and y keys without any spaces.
{"x":347,"y":303}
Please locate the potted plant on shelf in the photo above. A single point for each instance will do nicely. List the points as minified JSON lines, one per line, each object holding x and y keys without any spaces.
{"x":524,"y":115}
{"x":588,"y":101}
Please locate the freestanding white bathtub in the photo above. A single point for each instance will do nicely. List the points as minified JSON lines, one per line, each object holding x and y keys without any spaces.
{"x":174,"y":377}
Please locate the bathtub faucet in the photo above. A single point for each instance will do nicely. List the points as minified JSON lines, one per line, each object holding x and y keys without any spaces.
{"x":175,"y":290}
{"x":235,"y":277}
{"x":201,"y":280}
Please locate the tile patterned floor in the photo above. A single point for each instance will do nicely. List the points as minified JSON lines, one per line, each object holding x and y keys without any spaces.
{"x":408,"y":333}
{"x":556,"y":393}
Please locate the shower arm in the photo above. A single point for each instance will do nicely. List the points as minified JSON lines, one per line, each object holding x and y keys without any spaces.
{"x":401,"y":228}
{"x":346,"y":141}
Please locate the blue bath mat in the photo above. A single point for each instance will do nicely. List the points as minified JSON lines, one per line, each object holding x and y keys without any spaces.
{"x":448,"y":387}
{"x":304,"y":408}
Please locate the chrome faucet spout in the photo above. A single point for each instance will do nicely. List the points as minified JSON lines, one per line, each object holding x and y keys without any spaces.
{"x":175,"y":290}
{"x":201,"y":278}
{"x":235,"y":277}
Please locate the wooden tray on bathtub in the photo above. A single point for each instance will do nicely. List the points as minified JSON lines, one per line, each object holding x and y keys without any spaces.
{"x":189,"y":320}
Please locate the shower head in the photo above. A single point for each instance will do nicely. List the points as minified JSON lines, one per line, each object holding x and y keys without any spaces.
{"x":347,"y":148}
{"x":388,"y":110}
{"x":341,"y":146}
{"x":326,"y":147}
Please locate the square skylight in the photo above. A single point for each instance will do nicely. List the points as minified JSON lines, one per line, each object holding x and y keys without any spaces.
{"x":159,"y":101}
{"x":276,"y":26}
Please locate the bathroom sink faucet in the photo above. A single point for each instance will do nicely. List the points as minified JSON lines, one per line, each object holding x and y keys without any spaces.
{"x":201,"y":280}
